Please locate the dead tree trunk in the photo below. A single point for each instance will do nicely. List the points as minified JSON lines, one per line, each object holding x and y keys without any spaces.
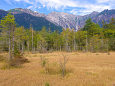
{"x":10,"y":56}
{"x":10,"y":51}
{"x":108,"y":47}
{"x":32,"y":41}
{"x":13,"y":42}
{"x":63,"y":65}
{"x":74,"y":43}
{"x":22,"y":47}
{"x":28,"y":46}
{"x":86,"y":43}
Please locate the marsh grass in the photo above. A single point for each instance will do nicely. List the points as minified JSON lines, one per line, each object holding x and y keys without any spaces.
{"x":85,"y":69}
{"x":7,"y":66}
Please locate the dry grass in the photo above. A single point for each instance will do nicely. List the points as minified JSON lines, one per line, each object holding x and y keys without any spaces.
{"x":88,"y":69}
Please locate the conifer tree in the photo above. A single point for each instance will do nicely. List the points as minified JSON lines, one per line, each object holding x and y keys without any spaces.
{"x":8,"y":24}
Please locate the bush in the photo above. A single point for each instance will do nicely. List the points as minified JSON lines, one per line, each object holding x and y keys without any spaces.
{"x":14,"y":63}
{"x":18,"y":60}
{"x":44,"y":61}
{"x":47,"y":84}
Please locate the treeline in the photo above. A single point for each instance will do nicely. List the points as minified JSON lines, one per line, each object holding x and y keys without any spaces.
{"x":91,"y":38}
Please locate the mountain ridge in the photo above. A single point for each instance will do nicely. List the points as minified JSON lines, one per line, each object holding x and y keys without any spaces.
{"x":57,"y":20}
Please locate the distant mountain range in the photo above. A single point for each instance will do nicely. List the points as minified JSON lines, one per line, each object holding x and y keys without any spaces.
{"x":56,"y":20}
{"x":26,"y":17}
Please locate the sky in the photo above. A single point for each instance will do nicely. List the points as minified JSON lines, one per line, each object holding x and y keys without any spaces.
{"x":76,"y":7}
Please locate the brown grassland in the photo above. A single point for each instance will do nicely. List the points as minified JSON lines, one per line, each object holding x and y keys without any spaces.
{"x":85,"y":69}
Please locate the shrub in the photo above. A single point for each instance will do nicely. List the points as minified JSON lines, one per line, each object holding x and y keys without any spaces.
{"x":47,"y":84}
{"x":44,"y":61}
{"x":18,"y":60}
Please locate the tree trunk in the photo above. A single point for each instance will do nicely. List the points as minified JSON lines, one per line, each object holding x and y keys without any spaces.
{"x":74,"y":43}
{"x":60,"y":48}
{"x":108,"y":47}
{"x":86,"y":44}
{"x":10,"y":55}
{"x":28,"y":46}
{"x":37,"y":46}
{"x":22,"y":47}
{"x":13,"y":43}
{"x":32,"y":40}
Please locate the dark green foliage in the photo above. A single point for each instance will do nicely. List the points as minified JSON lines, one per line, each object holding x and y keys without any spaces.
{"x":109,"y":33}
{"x":3,"y":13}
{"x":47,"y":84}
{"x":100,"y":39}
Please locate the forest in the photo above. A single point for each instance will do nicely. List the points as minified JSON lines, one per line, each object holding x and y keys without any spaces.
{"x":91,"y":38}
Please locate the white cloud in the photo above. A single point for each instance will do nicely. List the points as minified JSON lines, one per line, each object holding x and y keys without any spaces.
{"x":27,"y":1}
{"x":44,"y":5}
{"x":87,"y":6}
{"x":57,"y":4}
{"x":102,"y":1}
{"x":30,"y":7}
{"x":92,"y":8}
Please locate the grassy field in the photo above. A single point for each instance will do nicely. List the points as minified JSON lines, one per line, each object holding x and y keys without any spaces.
{"x":86,"y":69}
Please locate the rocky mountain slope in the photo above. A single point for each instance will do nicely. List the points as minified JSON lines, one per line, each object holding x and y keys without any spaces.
{"x":62,"y":19}
{"x":56,"y":20}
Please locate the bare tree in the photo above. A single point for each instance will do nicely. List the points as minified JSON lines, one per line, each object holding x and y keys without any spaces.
{"x":13,"y":29}
{"x":86,"y":43}
{"x":108,"y":47}
{"x":32,"y":41}
{"x":63,"y":65}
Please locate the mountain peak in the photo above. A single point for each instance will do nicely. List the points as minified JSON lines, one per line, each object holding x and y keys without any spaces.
{"x":94,"y":12}
{"x":108,"y":12}
{"x":20,"y":10}
{"x":28,"y":11}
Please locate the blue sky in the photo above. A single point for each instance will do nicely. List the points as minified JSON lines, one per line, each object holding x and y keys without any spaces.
{"x":77,"y":7}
